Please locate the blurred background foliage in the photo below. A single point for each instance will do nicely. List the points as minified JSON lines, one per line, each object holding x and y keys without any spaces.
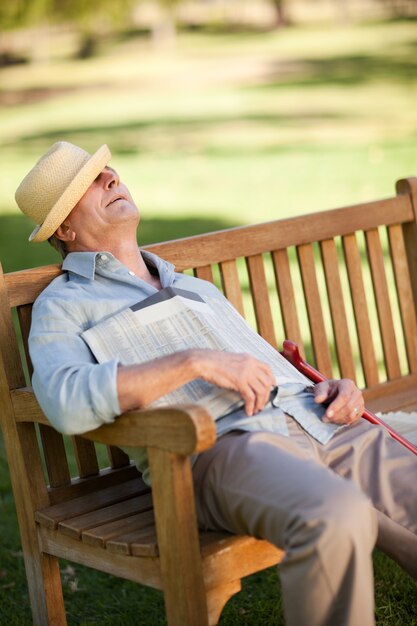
{"x":92,"y":16}
{"x":217,"y":112}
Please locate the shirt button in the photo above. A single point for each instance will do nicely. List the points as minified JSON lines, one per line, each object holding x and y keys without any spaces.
{"x":103,"y":257}
{"x":131,"y":273}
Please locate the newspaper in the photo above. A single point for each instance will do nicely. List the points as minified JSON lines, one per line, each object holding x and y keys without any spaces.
{"x":173,"y":320}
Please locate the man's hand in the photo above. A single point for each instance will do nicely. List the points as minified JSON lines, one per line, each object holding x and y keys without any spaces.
{"x":346,"y":403}
{"x":250,"y":377}
{"x":140,"y":385}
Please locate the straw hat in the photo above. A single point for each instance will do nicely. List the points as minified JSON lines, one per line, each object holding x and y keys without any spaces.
{"x":52,"y":188}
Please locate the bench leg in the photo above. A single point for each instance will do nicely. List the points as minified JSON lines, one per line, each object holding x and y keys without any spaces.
{"x":217,"y":598}
{"x":45,"y":590}
{"x":178,"y":541}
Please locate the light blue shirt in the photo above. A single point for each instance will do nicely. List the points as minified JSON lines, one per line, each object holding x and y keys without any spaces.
{"x":78,"y":394}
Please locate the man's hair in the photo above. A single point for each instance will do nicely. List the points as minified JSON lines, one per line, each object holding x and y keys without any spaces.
{"x":59,"y":245}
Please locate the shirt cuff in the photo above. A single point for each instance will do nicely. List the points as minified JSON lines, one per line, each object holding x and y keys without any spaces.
{"x":103,"y":389}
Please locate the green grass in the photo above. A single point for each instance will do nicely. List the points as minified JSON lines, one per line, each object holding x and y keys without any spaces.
{"x":97,"y":598}
{"x":219,"y":131}
{"x":237,"y":128}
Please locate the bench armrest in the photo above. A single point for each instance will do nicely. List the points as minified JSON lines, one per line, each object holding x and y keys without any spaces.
{"x":184,"y":430}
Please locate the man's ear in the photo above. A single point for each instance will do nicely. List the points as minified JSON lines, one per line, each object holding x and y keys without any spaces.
{"x":64,"y":232}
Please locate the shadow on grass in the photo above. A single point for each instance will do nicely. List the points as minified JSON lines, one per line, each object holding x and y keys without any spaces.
{"x":342,"y":71}
{"x":17,"y":253}
{"x":397,"y":65}
{"x":133,"y":137}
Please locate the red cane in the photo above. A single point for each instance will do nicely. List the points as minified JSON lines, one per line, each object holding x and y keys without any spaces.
{"x":292,"y":354}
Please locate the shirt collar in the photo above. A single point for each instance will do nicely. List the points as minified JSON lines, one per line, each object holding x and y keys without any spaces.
{"x":84,"y":264}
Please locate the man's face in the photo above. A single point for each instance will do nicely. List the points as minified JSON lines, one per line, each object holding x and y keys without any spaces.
{"x":106,"y":205}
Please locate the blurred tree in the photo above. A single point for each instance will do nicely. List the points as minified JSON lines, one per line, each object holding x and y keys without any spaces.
{"x":401,"y":8}
{"x":92,"y":18}
{"x":164,"y":30}
{"x":22,"y":13}
{"x":15,"y":15}
{"x":281,"y":18}
{"x":343,"y":10}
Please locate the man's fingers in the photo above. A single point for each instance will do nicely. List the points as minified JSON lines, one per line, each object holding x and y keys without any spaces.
{"x":249,"y":399}
{"x":245,"y":374}
{"x":348,"y":405}
{"x":256,"y":394}
{"x":322,"y":391}
{"x":344,"y":405}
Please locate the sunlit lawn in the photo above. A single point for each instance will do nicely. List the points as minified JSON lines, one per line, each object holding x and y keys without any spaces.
{"x":219,"y":131}
{"x":239,"y":128}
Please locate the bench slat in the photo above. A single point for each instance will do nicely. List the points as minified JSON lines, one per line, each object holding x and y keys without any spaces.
{"x":51,"y":516}
{"x":405,"y":293}
{"x":85,"y":456}
{"x":314,"y":310}
{"x":52,"y":442}
{"x":286,"y":295}
{"x":386,"y":324}
{"x":231,"y":285}
{"x":24,"y":286}
{"x":117,"y":457}
{"x":140,"y":542}
{"x":337,"y":309}
{"x":108,"y":477}
{"x":55,"y":456}
{"x":74,"y":526}
{"x":260,"y":295}
{"x":259,"y":238}
{"x":205,"y":273}
{"x":393,"y":395}
{"x":117,"y":530}
{"x":360,"y":309}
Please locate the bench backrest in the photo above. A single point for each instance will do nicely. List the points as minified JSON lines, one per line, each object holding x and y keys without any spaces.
{"x":342,"y":284}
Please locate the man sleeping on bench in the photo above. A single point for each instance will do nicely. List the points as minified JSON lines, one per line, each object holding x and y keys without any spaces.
{"x":326,"y":503}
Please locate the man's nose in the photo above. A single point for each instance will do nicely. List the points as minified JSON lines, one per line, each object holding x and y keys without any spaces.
{"x":111,"y":179}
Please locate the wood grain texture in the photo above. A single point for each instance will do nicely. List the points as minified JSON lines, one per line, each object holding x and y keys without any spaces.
{"x":286,"y":295}
{"x":231,"y":284}
{"x":407,"y":188}
{"x":256,"y":239}
{"x":405,"y":293}
{"x":74,"y":526}
{"x":85,"y":457}
{"x":314,"y":310}
{"x":176,"y":527}
{"x":205,"y":273}
{"x":82,"y":486}
{"x":24,"y":286}
{"x":393,"y":395}
{"x":185,"y":430}
{"x":51,"y":516}
{"x":117,"y":457}
{"x":27,"y":479}
{"x":360,"y":310}
{"x":145,"y":571}
{"x":337,"y":309}
{"x":260,"y":297}
{"x":386,"y":323}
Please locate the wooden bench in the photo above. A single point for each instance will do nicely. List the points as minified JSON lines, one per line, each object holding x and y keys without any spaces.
{"x":342,"y":284}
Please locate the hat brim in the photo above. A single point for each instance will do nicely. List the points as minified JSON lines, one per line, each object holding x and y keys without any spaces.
{"x":72,"y":194}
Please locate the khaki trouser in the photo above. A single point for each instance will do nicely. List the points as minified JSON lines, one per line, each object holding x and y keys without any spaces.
{"x":326,"y":506}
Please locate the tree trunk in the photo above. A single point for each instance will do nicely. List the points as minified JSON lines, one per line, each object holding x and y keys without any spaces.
{"x":280,"y":14}
{"x":164,"y":31}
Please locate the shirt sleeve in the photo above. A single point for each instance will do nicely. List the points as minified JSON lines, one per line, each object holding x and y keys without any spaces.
{"x":75,"y":392}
